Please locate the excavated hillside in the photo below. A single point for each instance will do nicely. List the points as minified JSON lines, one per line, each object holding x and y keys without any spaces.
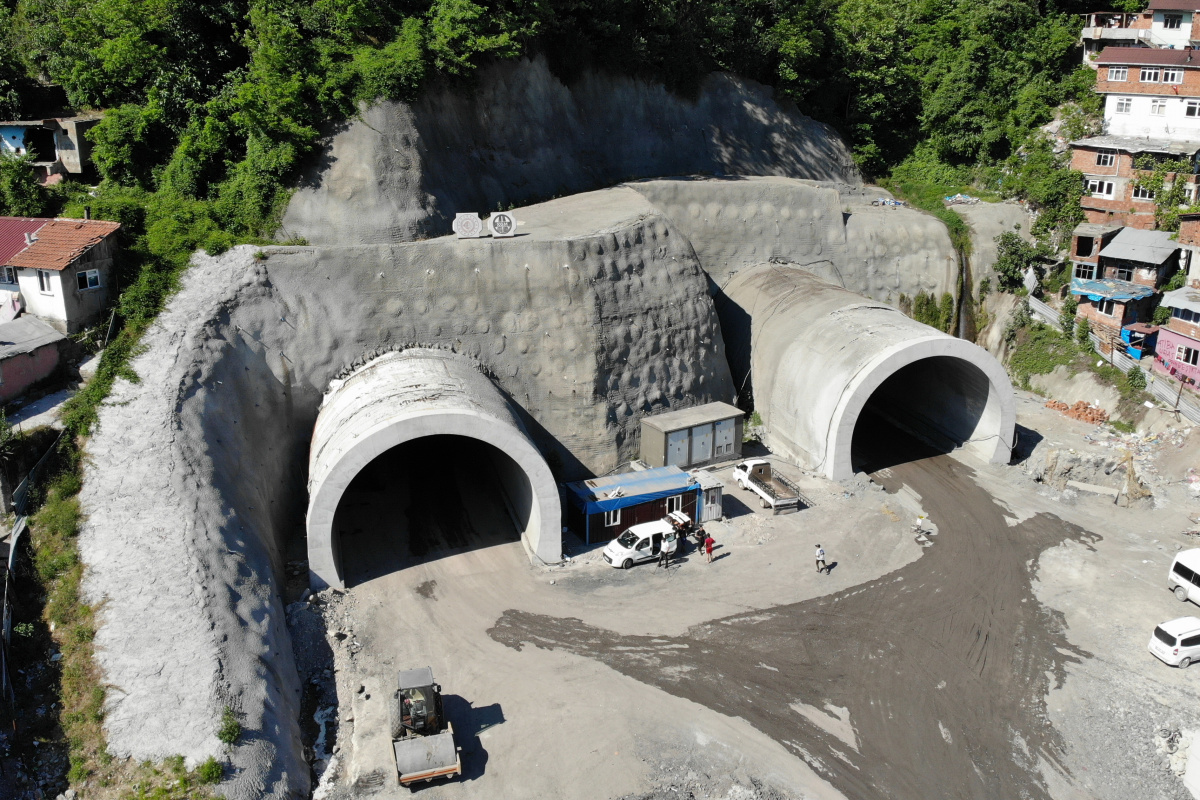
{"x":599,"y":311}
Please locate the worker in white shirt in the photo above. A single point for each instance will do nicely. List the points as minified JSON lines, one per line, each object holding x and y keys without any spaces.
{"x":821,"y":559}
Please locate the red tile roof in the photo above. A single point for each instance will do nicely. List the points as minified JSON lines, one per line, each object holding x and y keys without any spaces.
{"x":1174,"y":5}
{"x":1148,"y":55}
{"x":12,"y":235}
{"x":61,"y":241}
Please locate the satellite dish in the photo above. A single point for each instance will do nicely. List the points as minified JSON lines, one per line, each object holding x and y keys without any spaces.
{"x":503,"y":224}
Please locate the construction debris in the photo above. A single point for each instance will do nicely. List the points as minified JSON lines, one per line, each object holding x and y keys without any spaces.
{"x":1082,"y":411}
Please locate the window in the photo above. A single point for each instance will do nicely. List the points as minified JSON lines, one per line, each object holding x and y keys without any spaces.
{"x":1142,"y":193}
{"x":1172,"y":76}
{"x":1084,"y":245}
{"x":1118,"y":73}
{"x":1185,"y":315}
{"x":1150,"y":75}
{"x":612,"y":518}
{"x":88,"y":280}
{"x":1164,"y":637}
{"x":1106,"y":307}
{"x":1186,"y":355}
{"x":675,"y":503}
{"x":44,"y":284}
{"x":10,"y":275}
{"x":1124,"y":104}
{"x":1183,"y":572}
{"x":1191,"y":641}
{"x":1085,"y":271}
{"x":1158,"y":107}
{"x":1123,"y":273}
{"x":1100,"y":189}
{"x":1172,"y":22}
{"x":1106,"y":158}
{"x":1192,"y":109}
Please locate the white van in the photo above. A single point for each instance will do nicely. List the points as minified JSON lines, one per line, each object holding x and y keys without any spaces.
{"x":1184,"y":577}
{"x":637,"y":544}
{"x":1177,"y":642}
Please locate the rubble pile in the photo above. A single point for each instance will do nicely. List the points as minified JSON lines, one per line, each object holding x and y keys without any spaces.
{"x":1082,"y":411}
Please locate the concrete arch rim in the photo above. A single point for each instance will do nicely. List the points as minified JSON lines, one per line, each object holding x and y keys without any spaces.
{"x":509,"y":440}
{"x":838,"y":464}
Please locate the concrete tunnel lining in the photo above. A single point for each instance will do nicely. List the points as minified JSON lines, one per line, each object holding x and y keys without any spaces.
{"x":991,"y":437}
{"x":813,"y":354}
{"x":400,"y":397}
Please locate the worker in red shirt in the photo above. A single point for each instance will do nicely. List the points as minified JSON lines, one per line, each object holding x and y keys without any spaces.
{"x":708,"y":547}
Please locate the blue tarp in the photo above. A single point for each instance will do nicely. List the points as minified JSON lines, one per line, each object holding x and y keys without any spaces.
{"x":1110,"y":289}
{"x":636,"y":488}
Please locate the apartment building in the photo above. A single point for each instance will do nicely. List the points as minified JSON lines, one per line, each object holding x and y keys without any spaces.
{"x":1117,"y":273}
{"x":1166,"y":24}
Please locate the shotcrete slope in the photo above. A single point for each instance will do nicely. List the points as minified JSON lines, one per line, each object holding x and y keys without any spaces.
{"x":829,"y":229}
{"x":196,"y":476}
{"x":401,"y":171}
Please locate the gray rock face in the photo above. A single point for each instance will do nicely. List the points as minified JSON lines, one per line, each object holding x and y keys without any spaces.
{"x":401,"y":171}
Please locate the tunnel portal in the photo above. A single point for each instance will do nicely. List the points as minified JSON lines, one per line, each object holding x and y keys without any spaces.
{"x":928,"y":407}
{"x":427,"y":497}
{"x":418,"y":452}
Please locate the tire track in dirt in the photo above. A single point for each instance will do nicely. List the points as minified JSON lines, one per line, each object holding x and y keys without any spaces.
{"x":943,"y":665}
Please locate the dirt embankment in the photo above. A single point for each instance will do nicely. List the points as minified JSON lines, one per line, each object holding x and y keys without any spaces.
{"x":928,"y":682}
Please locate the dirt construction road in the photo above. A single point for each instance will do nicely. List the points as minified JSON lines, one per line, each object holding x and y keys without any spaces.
{"x":926,"y":682}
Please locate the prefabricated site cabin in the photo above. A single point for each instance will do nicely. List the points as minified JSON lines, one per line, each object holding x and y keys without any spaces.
{"x":599,"y":509}
{"x":693,"y":437}
{"x":712,"y":490}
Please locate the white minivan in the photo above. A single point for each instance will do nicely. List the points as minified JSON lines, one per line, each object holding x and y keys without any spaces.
{"x":1177,"y":642}
{"x":637,"y":544}
{"x":1184,"y":577}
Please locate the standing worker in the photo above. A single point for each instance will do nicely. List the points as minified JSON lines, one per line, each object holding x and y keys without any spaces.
{"x":668,"y":548}
{"x":708,"y":547}
{"x":820,"y":559}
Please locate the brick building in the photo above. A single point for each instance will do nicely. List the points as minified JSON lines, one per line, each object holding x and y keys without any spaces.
{"x":1111,"y":196}
{"x":1164,"y":24}
{"x":1151,"y":112}
{"x":1117,"y":273}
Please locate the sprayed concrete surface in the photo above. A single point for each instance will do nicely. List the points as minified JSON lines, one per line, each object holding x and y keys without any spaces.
{"x":829,"y":229}
{"x":401,"y":171}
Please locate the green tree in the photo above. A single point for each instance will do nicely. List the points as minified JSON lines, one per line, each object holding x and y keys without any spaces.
{"x":1083,"y":330}
{"x":1066,"y":317}
{"x":20,"y":193}
{"x":1014,"y":257}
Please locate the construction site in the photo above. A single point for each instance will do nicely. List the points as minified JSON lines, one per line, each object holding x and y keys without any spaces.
{"x":352,"y":457}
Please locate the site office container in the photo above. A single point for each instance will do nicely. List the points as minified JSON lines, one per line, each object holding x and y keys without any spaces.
{"x":599,"y":509}
{"x":692,"y":437}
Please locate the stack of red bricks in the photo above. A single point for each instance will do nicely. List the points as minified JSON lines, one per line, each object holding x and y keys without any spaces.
{"x":1084,"y":412}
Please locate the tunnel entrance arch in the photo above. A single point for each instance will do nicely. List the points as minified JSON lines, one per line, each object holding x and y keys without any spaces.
{"x":944,"y":392}
{"x":417,"y":396}
{"x":819,"y":354}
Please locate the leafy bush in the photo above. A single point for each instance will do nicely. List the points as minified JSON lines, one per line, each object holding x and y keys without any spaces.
{"x":1135,"y":378}
{"x":1162,"y":315}
{"x":230,"y":730}
{"x":1066,"y":317}
{"x":1083,"y":330}
{"x":210,"y":771}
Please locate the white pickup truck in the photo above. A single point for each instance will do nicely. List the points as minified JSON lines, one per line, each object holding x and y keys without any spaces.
{"x":774,"y":491}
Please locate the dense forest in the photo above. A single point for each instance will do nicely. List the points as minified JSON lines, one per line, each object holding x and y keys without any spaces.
{"x":211,"y":107}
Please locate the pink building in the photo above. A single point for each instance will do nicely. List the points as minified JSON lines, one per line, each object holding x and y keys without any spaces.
{"x":1178,"y":349}
{"x":30,"y":354}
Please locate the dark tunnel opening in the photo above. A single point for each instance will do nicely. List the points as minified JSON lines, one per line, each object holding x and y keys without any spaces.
{"x":425,"y":499}
{"x":926,"y":408}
